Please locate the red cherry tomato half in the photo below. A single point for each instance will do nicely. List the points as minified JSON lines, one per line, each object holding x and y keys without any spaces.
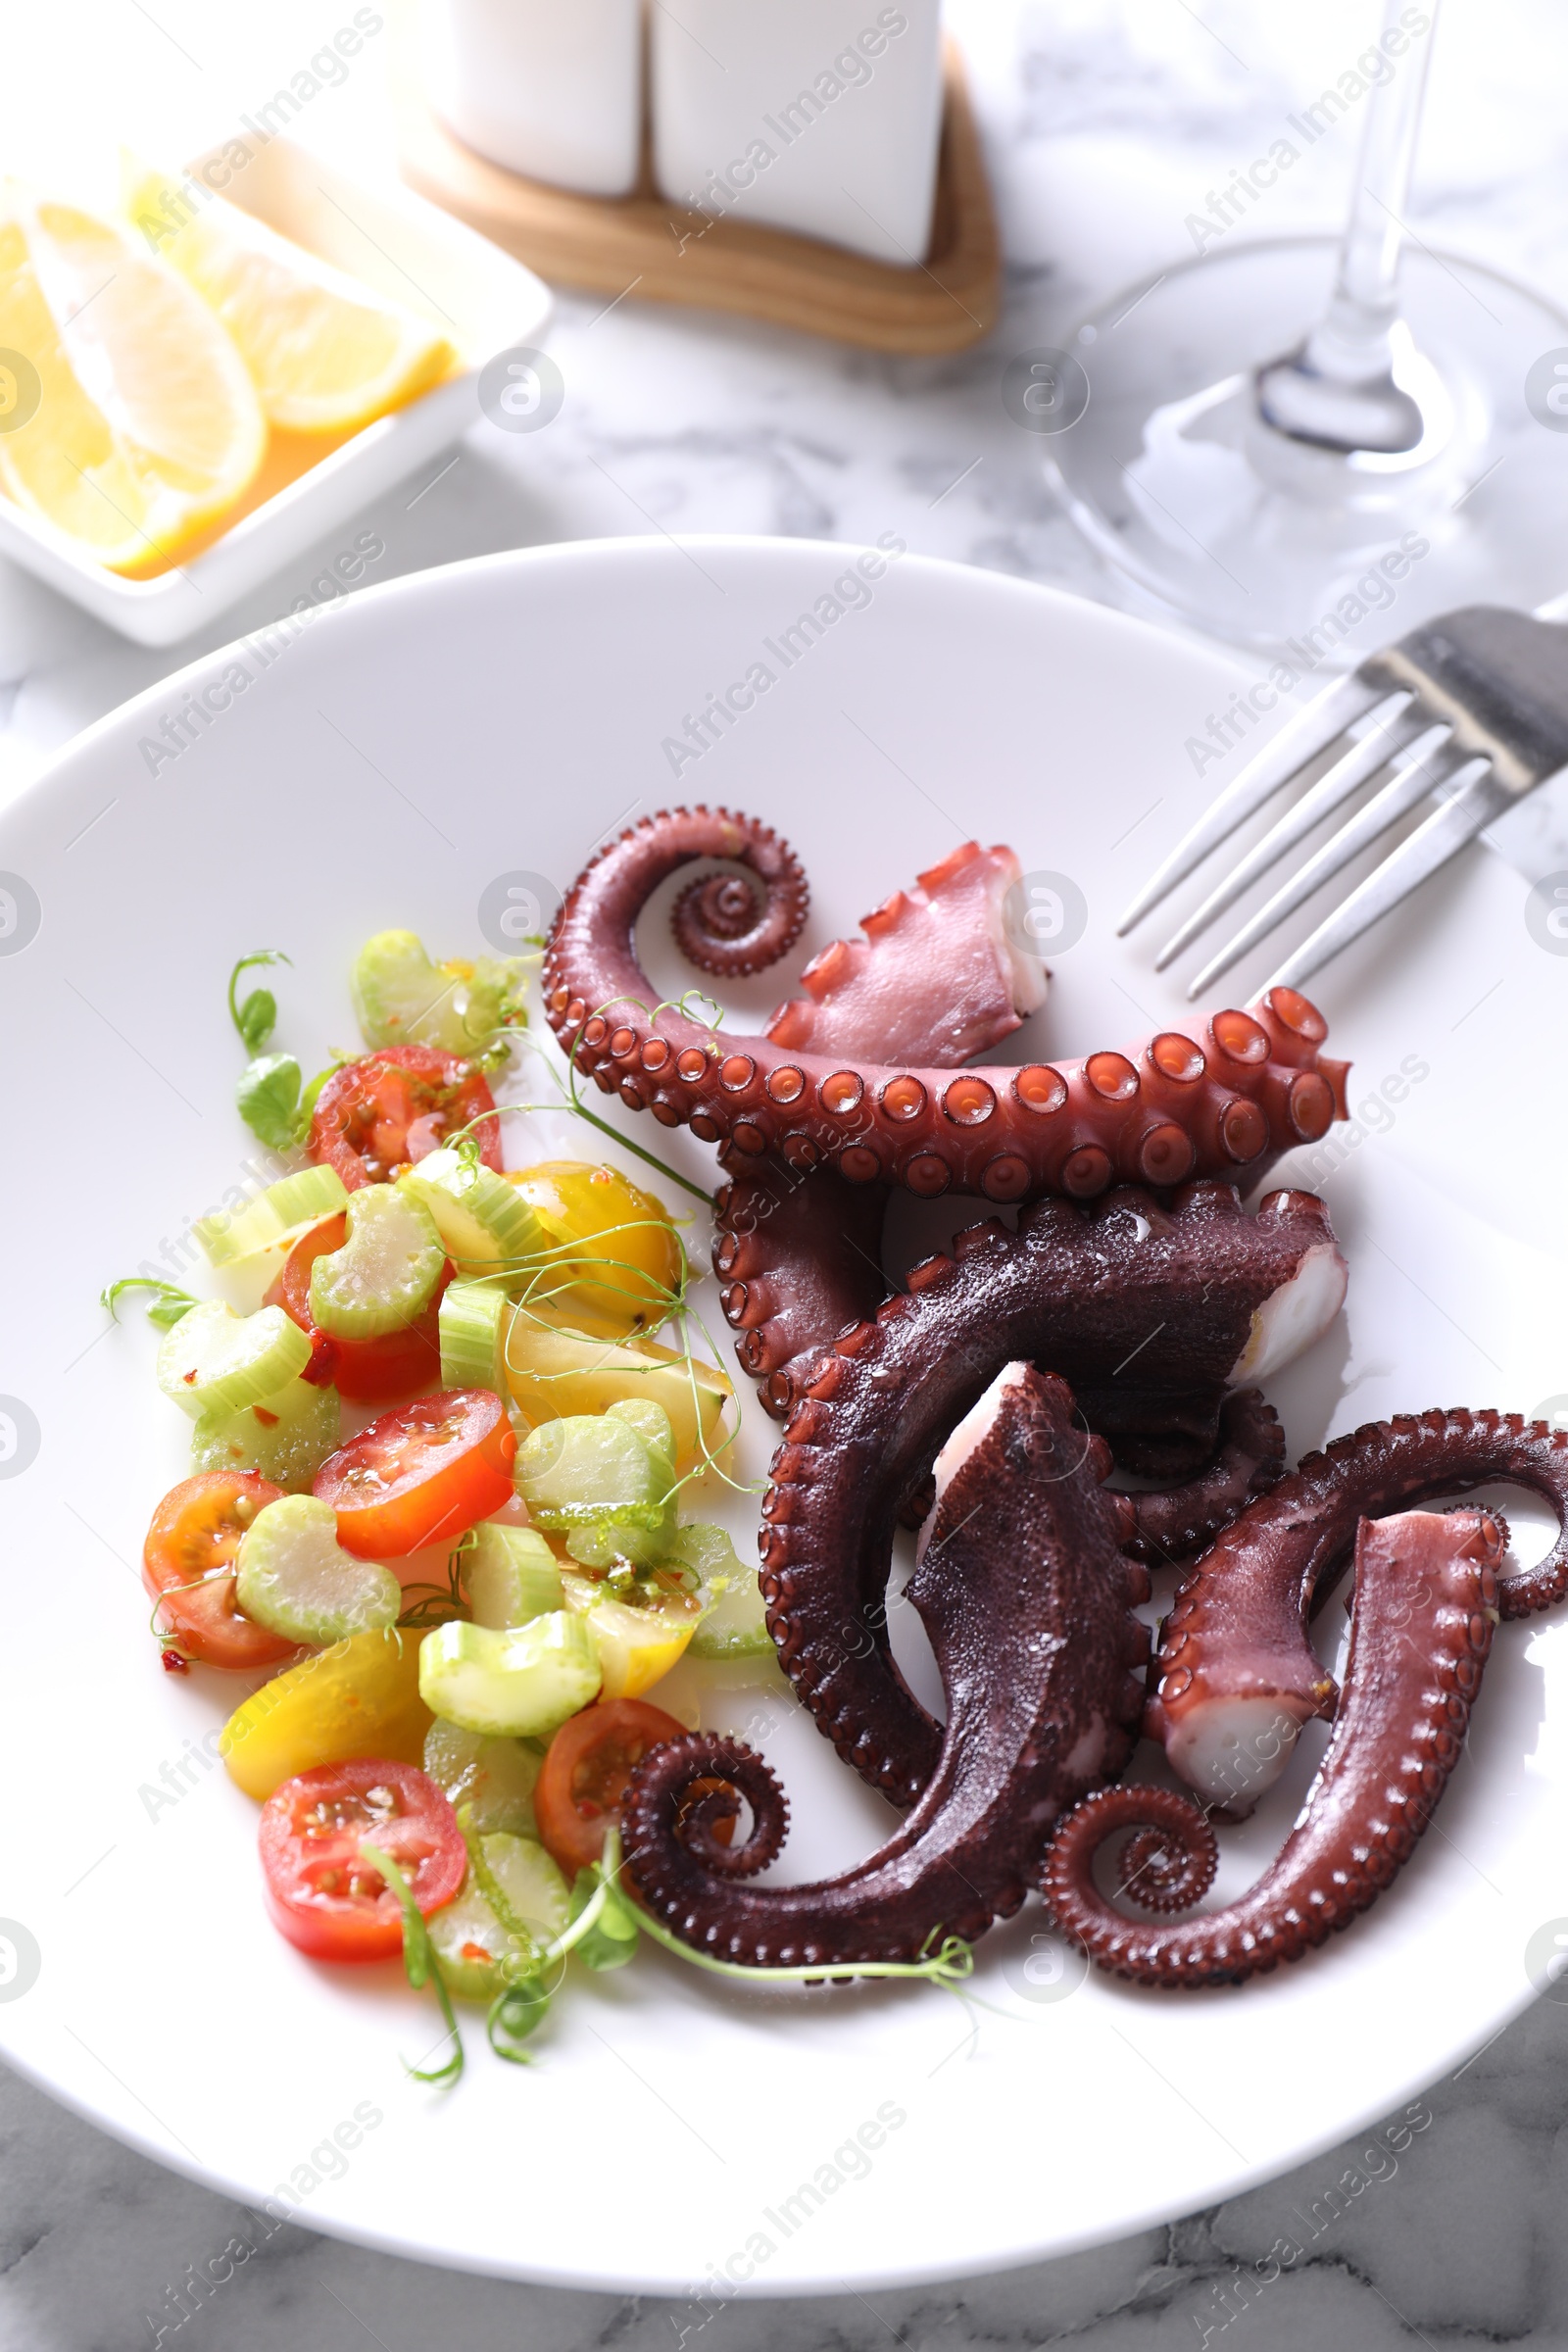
{"x":194,"y":1535}
{"x":362,"y":1371}
{"x":420,"y":1475}
{"x":376,"y":1115}
{"x":583,"y":1781}
{"x":321,"y":1892}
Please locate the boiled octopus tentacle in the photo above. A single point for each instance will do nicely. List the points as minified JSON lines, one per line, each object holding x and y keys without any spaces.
{"x":723,"y":925}
{"x":1022,"y":1561}
{"x":1163,"y":1433}
{"x":1198,"y":1289}
{"x":1250,"y":1457}
{"x":1235,"y":1675}
{"x":1225,"y":1099}
{"x":934,"y":977}
{"x":1425,"y":1607}
{"x":799,"y":1260}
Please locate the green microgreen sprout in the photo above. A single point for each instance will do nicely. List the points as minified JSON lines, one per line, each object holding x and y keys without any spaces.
{"x":257,"y":1017}
{"x":272,"y":1096}
{"x":948,"y":1965}
{"x":164,"y":1308}
{"x":611,"y":1940}
{"x":268,"y":1097}
{"x":212,"y":1576}
{"x":439,"y":1604}
{"x":420,"y":1965}
{"x":514,"y":1924}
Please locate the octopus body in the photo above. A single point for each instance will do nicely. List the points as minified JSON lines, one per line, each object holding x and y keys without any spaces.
{"x":1236,"y":1675}
{"x":1425,"y":1606}
{"x":1224,"y":1098}
{"x":1199,"y":1291}
{"x":1022,"y":1562}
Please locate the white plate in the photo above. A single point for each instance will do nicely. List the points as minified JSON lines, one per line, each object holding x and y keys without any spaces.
{"x":404,"y":248}
{"x":497,"y":717}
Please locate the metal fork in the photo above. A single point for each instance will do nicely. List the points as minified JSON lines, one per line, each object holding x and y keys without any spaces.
{"x":1472,"y":706}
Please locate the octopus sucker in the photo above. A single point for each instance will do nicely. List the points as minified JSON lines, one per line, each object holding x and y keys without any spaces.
{"x":1224,"y":1098}
{"x":1037,"y":1570}
{"x":1426,"y":1597}
{"x":798,"y":1261}
{"x":1235,"y":1675}
{"x":1176,"y":1286}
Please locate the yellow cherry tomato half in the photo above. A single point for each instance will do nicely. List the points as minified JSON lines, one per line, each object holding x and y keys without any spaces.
{"x":555,"y":1373}
{"x":639,"y":1633}
{"x":359,"y":1698}
{"x":615,"y":1263}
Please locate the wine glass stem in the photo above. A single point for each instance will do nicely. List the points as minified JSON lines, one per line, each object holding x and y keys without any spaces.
{"x":1351,"y":344}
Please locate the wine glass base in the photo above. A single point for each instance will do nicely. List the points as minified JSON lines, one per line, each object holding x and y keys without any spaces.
{"x":1173,"y":477}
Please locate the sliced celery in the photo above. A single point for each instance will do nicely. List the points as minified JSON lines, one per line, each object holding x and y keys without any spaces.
{"x":287,"y":1440}
{"x":385,"y":1274}
{"x":279,"y":1215}
{"x":734,"y":1621}
{"x":295,"y":1578}
{"x":591,"y":1468}
{"x":486,"y":1225}
{"x":399,"y":995}
{"x":471,"y":1943}
{"x":475,"y":1324}
{"x":493,"y":1778}
{"x":213,"y":1360}
{"x":524,"y":1683}
{"x":512,"y":1574}
{"x":643,"y":1542}
{"x":651,"y":1422}
{"x":617,"y":1542}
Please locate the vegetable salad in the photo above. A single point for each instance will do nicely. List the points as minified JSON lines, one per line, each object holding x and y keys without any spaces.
{"x":438,"y":1494}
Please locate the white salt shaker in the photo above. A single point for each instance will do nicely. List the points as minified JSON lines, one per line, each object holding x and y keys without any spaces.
{"x":549,"y":87}
{"x":818,"y":116}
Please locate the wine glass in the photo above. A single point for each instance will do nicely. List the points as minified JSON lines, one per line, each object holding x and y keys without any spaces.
{"x":1279,"y":481}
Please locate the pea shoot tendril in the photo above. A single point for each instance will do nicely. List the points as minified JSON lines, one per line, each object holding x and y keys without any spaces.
{"x":600,"y":1903}
{"x":420,"y":1965}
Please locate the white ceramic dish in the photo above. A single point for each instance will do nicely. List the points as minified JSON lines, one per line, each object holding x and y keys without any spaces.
{"x":403,"y":247}
{"x":493,"y":720}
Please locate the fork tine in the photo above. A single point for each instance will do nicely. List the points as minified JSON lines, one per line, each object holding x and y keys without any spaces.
{"x":1476,"y":800}
{"x":1405,"y":789}
{"x":1386,"y":740}
{"x":1311,"y":731}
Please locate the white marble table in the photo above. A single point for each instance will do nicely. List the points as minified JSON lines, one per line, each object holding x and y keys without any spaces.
{"x":1109,"y":122}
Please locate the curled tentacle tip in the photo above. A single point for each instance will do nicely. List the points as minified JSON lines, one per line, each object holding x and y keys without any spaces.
{"x":1163,"y":1875}
{"x":721,"y":906}
{"x":731,"y":924}
{"x":692,"y":1791}
{"x":1167,"y":1865}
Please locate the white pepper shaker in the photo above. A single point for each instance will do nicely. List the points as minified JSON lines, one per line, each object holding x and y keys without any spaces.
{"x":817,"y":116}
{"x":548,"y":88}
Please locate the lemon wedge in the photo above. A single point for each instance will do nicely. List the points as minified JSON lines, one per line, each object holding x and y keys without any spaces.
{"x":326,"y":354}
{"x":147,"y":426}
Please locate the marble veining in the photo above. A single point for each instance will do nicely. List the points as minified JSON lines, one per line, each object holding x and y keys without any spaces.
{"x":1108,"y":121}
